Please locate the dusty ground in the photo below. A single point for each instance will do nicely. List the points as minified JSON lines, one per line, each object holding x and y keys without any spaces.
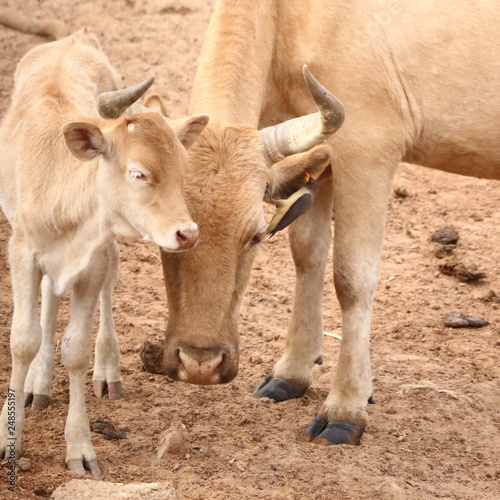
{"x":437,"y":441}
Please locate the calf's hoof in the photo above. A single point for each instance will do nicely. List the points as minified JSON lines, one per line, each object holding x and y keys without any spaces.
{"x":279,"y":389}
{"x":36,"y":401}
{"x":113,"y":389}
{"x":324,"y":432}
{"x":80,"y":466}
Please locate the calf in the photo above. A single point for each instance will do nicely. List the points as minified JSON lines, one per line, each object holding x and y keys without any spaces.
{"x":72,"y":181}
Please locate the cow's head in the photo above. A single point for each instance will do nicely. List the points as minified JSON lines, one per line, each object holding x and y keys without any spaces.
{"x":142,"y":164}
{"x":232,"y":169}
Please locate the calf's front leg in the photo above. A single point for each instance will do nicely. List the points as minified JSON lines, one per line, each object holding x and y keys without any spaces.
{"x":76,"y":351}
{"x":24,"y":344}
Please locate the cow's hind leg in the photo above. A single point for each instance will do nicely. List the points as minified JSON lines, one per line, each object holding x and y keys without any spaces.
{"x":24,"y":344}
{"x":361,"y":192}
{"x":310,"y":237}
{"x":41,"y":372}
{"x":76,"y":351}
{"x":107,"y":376}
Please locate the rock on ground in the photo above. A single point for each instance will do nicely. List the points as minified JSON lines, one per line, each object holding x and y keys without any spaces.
{"x":83,"y":489}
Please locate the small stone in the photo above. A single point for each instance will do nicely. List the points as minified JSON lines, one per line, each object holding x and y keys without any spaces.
{"x":24,"y":464}
{"x":174,"y":440}
{"x":391,"y":491}
{"x":445,"y":236}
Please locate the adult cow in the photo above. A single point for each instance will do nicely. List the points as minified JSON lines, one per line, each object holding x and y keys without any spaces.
{"x":418,"y":83}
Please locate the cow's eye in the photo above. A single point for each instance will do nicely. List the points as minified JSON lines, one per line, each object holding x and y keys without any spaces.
{"x":137,"y":174}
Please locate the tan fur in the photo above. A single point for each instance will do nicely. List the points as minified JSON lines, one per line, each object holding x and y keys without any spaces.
{"x":69,"y":188}
{"x":418,"y":82}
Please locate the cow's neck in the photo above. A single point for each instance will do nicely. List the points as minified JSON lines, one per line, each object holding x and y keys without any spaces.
{"x":233,"y":70}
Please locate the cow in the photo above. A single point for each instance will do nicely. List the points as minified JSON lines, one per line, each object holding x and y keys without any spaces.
{"x":73,"y":181}
{"x":418,"y":82}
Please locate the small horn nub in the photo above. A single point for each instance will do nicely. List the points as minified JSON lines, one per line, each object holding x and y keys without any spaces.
{"x":303,"y":133}
{"x":113,"y":104}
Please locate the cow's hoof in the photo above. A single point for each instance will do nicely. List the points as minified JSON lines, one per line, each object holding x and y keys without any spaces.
{"x":279,"y":389}
{"x":113,"y":389}
{"x":322,"y":431}
{"x":36,"y":401}
{"x":80,"y":467}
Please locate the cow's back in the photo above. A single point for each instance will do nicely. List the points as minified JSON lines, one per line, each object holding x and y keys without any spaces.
{"x":427,"y":70}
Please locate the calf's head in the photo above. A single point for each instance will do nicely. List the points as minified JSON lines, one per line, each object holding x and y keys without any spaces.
{"x":232,"y":169}
{"x":142,"y":161}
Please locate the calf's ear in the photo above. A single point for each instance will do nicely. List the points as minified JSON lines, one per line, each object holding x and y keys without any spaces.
{"x":85,"y":140}
{"x":188,"y":129}
{"x":155,"y":102}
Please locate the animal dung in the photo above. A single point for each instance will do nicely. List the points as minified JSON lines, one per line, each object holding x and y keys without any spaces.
{"x":445,"y":236}
{"x":152,"y":357}
{"x":458,"y":320}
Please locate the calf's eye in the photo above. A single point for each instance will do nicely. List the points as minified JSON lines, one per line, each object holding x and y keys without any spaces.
{"x":136,"y":174}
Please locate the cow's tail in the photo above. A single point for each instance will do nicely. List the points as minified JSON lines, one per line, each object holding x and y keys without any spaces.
{"x":53,"y":29}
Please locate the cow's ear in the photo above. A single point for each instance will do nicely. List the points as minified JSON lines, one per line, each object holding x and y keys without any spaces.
{"x":188,"y":129}
{"x":293,"y":186}
{"x":287,"y":176}
{"x":155,"y":102}
{"x":85,"y":140}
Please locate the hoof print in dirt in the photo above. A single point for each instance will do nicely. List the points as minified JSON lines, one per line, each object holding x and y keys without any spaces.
{"x":279,"y":389}
{"x":152,"y":357}
{"x":107,"y":429}
{"x":458,"y":320}
{"x":324,"y":432}
{"x":445,"y":236}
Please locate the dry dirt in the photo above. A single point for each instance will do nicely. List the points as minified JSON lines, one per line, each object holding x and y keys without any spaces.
{"x":434,"y":428}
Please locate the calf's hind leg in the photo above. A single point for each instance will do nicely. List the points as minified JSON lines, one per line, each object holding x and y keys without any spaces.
{"x":41,"y":371}
{"x":107,"y":376}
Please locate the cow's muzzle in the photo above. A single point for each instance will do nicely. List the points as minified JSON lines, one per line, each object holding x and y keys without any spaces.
{"x":200,"y":365}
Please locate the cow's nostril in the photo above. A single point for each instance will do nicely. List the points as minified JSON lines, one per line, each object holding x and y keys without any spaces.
{"x":181,"y":236}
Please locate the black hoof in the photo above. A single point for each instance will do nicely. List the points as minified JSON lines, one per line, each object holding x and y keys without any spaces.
{"x":279,"y":389}
{"x":371,"y":400}
{"x":322,"y":431}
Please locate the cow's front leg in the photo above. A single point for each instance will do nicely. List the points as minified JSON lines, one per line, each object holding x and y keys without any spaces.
{"x":76,"y":351}
{"x":107,"y":376}
{"x":361,"y":192}
{"x":24,"y":344}
{"x":310,"y":237}
{"x":41,"y":371}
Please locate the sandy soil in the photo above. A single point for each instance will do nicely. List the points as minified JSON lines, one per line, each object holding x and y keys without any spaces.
{"x":434,"y":428}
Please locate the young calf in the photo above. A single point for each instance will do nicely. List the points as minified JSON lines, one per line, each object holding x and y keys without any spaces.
{"x":71,"y":182}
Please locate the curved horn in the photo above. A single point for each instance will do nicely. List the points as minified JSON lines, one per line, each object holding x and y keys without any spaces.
{"x":113,"y":104}
{"x":300,"y":134}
